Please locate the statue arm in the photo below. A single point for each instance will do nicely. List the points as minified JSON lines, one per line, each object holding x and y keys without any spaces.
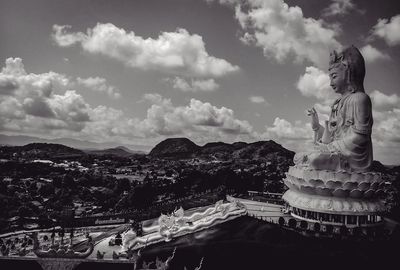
{"x":315,"y":125}
{"x":318,"y":133}
{"x":362,"y":112}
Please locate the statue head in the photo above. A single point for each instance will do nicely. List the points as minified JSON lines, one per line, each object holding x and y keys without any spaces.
{"x":347,"y":70}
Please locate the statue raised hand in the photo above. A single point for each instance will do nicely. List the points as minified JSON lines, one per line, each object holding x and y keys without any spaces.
{"x":315,"y":125}
{"x":314,"y":118}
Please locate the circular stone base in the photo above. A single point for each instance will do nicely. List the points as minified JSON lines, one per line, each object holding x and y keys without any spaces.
{"x":332,"y":205}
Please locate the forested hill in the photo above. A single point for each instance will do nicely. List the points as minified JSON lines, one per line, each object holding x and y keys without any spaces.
{"x":185,"y":148}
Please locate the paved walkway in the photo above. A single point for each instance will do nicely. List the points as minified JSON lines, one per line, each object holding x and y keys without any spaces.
{"x":264,"y":210}
{"x":97,"y":239}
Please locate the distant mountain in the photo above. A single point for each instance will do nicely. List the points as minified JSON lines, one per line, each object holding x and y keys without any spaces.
{"x":20,"y":140}
{"x":126,"y":149}
{"x":377,"y":166}
{"x":40,"y":150}
{"x":185,"y":148}
{"x":262,"y":149}
{"x":395,"y":170}
{"x":213,"y":147}
{"x":120,"y":151}
{"x":175,"y":147}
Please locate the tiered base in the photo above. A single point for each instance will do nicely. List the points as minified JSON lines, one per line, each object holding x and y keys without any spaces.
{"x":336,"y":198}
{"x":332,"y":205}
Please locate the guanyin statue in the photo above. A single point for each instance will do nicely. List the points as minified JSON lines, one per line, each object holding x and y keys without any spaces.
{"x":343,"y":143}
{"x":333,"y":184}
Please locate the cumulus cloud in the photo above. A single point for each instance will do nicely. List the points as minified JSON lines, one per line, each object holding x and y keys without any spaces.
{"x":7,"y":85}
{"x":179,"y":52}
{"x":388,"y":30}
{"x":339,"y":8}
{"x":258,"y":99}
{"x":386,"y":128}
{"x":70,"y":107}
{"x":198,"y":117}
{"x":43,"y":104}
{"x":372,"y":54}
{"x":100,"y":85}
{"x":110,"y":123}
{"x":381,"y":101}
{"x":316,"y":83}
{"x":35,"y":103}
{"x":14,"y":66}
{"x":282,"y":129}
{"x":64,"y":39}
{"x":11,"y":108}
{"x":156,"y":99}
{"x":324,"y":110}
{"x":224,"y":2}
{"x":284,"y":32}
{"x":194,"y":85}
{"x":13,"y":76}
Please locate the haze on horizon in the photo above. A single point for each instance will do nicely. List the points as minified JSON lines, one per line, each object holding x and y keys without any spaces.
{"x":137,"y":72}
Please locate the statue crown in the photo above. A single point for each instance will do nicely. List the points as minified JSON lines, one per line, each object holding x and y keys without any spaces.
{"x":335,"y":58}
{"x":353,"y":60}
{"x":350,"y":56}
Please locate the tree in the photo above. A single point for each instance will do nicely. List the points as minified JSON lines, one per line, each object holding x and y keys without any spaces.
{"x":357,"y":231}
{"x":68,"y":181}
{"x":143,"y":195}
{"x":393,"y":198}
{"x":53,"y":235}
{"x":3,"y":188}
{"x":82,"y":181}
{"x":343,"y":230}
{"x":71,"y":235}
{"x":317,"y":227}
{"x":61,"y":233}
{"x":169,"y":172}
{"x":303,"y":224}
{"x":46,"y":190}
{"x":292,"y":223}
{"x":281,"y":221}
{"x":329,"y":229}
{"x":24,"y":211}
{"x":122,"y":185}
{"x":57,"y":182}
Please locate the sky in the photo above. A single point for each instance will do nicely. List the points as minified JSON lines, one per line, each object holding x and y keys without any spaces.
{"x":137,"y":72}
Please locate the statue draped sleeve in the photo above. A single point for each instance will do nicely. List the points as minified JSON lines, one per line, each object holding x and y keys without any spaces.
{"x":352,"y":136}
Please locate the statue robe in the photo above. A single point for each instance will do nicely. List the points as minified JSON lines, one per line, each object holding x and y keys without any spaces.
{"x":350,"y":126}
{"x":353,"y":115}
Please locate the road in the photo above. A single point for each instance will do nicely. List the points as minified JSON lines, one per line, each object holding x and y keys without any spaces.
{"x":82,"y":245}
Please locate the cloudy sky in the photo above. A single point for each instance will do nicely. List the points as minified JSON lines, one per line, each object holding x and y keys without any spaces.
{"x":140,"y":71}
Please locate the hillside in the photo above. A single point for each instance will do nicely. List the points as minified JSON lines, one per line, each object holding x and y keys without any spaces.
{"x":175,"y":147}
{"x":20,"y":140}
{"x":185,"y":148}
{"x":262,"y":149}
{"x":217,"y":147}
{"x":117,"y":151}
{"x":40,"y":150}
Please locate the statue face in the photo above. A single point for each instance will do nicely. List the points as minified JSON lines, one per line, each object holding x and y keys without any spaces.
{"x":338,"y":79}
